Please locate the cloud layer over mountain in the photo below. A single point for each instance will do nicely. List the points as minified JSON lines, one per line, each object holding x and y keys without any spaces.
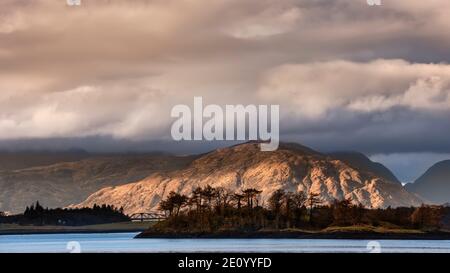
{"x":346,"y":75}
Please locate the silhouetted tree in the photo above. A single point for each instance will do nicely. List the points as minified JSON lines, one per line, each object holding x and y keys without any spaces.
{"x":179,"y":201}
{"x":427,"y":217}
{"x":223,"y":199}
{"x":299,"y":199}
{"x":173,"y":203}
{"x":37,"y":215}
{"x":342,"y":212}
{"x":237,"y":198}
{"x":275,"y":205}
{"x":196,"y":198}
{"x":312,"y":201}
{"x":38,"y":208}
{"x":212,"y":209}
{"x":251,"y":195}
{"x":208,"y":194}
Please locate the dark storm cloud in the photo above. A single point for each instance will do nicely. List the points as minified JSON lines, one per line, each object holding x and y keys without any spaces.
{"x":107,"y":145}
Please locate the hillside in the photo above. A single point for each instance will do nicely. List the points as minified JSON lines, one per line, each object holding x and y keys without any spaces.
{"x":292,"y":167}
{"x":62,"y":184}
{"x":434,"y":184}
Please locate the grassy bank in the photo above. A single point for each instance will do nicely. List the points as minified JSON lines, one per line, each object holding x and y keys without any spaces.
{"x":13,"y":229}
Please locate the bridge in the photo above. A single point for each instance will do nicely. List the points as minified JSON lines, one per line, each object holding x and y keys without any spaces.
{"x":147,"y":216}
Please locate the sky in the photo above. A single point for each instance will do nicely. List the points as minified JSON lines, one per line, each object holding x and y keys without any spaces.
{"x":347,"y":76}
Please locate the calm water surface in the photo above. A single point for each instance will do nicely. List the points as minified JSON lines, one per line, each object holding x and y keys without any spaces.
{"x":124,"y":242}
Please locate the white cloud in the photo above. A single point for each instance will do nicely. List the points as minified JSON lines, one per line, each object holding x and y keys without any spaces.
{"x":117,"y":67}
{"x":90,"y":110}
{"x":269,"y":22}
{"x":431,"y":93}
{"x":312,"y":90}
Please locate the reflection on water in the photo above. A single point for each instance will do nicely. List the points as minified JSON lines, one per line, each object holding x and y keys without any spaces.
{"x":124,"y":242}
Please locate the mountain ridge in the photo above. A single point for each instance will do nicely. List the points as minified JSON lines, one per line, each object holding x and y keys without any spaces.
{"x":65,"y":183}
{"x":293,"y":167}
{"x":434,"y":184}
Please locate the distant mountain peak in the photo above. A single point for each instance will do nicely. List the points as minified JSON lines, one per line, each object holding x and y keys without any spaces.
{"x":434,"y":184}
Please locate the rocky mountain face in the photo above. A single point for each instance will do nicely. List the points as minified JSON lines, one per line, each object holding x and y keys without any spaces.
{"x":62,"y":184}
{"x":434,"y":184}
{"x":363,"y":163}
{"x":292,"y":167}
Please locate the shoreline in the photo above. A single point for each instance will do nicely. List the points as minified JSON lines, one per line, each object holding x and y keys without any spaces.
{"x":298,"y":235}
{"x":67,"y":231}
{"x":121,"y":227}
{"x":142,"y":228}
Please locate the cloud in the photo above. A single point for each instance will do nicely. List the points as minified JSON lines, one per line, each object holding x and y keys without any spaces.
{"x":384,"y":105}
{"x":267,"y":23}
{"x":346,"y":74}
{"x":314,"y":89}
{"x":89,"y":110}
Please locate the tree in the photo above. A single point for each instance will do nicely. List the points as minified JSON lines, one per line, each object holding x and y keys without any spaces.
{"x":251,"y":195}
{"x":166,"y":206}
{"x":196,"y":198}
{"x":299,"y":199}
{"x":275,"y":205}
{"x":342,"y":214}
{"x":283,"y":210}
{"x":223,"y":199}
{"x":179,"y":201}
{"x":27,"y":211}
{"x":312,"y":201}
{"x":208,"y":194}
{"x":418,"y":216}
{"x":276,"y":201}
{"x":237,"y":198}
{"x":427,"y":217}
{"x":38,"y":208}
{"x":298,"y":203}
{"x":173,"y":203}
